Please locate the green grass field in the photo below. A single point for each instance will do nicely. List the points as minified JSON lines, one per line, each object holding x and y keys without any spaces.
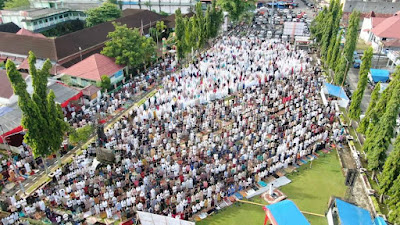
{"x":310,"y":189}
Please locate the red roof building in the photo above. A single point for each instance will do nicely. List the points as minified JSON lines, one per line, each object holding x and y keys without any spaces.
{"x":26,"y":32}
{"x":388,"y":28}
{"x":90,"y":70}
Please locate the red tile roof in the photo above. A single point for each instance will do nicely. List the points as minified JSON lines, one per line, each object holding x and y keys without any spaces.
{"x":392,"y":43}
{"x":93,"y":67}
{"x":388,"y":28}
{"x":377,"y":20}
{"x":26,"y":32}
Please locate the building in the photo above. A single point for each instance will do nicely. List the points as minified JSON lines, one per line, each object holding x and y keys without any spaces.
{"x":38,"y":20}
{"x":9,"y":28}
{"x":341,"y":212}
{"x":90,"y":70}
{"x":11,"y":114}
{"x":7,"y":95}
{"x":382,"y":33}
{"x":68,"y":49}
{"x":168,"y":6}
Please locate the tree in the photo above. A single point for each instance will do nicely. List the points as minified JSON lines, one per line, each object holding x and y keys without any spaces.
{"x":236,"y":8}
{"x":380,"y":138}
{"x":105,"y":83}
{"x":216,"y":19}
{"x":106,"y":12}
{"x":394,"y":202}
{"x":41,"y":116}
{"x":208,"y":22}
{"x":355,"y":109}
{"x":391,"y":169}
{"x":126,"y":46}
{"x":362,"y":128}
{"x":199,"y":24}
{"x":11,"y":4}
{"x":333,"y":56}
{"x":331,"y":28}
{"x":81,"y":134}
{"x":348,"y":50}
{"x":180,"y":34}
{"x":318,"y":24}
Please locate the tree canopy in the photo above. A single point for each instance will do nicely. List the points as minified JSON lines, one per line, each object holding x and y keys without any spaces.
{"x":348,"y":50}
{"x":11,"y":4}
{"x":106,"y":12}
{"x":236,"y":8}
{"x":128,"y":47}
{"x":355,"y":106}
{"x":105,"y":83}
{"x":41,"y":116}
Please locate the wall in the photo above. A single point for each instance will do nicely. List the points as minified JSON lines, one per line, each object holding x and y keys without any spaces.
{"x":366,"y":25}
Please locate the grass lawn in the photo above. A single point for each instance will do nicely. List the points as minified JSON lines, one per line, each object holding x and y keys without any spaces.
{"x":361,"y":45}
{"x":310,"y":189}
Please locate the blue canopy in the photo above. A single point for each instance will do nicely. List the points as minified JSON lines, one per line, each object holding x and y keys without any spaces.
{"x":287,"y":213}
{"x":336,"y":91}
{"x":350,"y":214}
{"x":379,"y":75}
{"x":379,"y":221}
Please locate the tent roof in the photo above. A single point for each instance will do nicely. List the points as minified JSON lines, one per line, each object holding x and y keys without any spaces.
{"x":379,"y":75}
{"x":379,"y":221}
{"x":281,"y":211}
{"x":336,"y":91}
{"x":350,"y":214}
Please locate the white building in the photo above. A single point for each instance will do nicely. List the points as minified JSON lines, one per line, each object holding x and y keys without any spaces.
{"x":382,"y":33}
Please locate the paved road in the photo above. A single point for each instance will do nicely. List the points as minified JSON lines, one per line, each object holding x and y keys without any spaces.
{"x":352,"y":80}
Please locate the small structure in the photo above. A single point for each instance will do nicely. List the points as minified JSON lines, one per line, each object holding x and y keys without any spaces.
{"x":344,"y":213}
{"x":105,"y":155}
{"x":90,"y":70}
{"x":284,"y":213}
{"x":378,"y":75}
{"x":336,"y":91}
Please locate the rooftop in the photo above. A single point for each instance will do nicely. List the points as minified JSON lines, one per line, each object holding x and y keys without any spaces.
{"x":388,"y":28}
{"x":93,"y":68}
{"x":6,"y":90}
{"x":9,"y":28}
{"x":26,"y":32}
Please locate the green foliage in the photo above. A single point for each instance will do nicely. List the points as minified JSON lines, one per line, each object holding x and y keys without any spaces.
{"x":105,"y":83}
{"x":362,"y":128}
{"x":106,"y":12}
{"x":162,"y":13}
{"x":333,"y":55}
{"x":199,"y":26}
{"x":156,"y":32}
{"x":81,"y":134}
{"x":348,"y":50}
{"x":379,"y":138}
{"x":128,"y":47}
{"x":11,"y":4}
{"x":376,"y":205}
{"x":236,"y":8}
{"x":318,"y":24}
{"x":391,"y":168}
{"x":2,"y":4}
{"x":64,"y":28}
{"x":355,"y":106}
{"x":41,"y":116}
{"x":394,"y":202}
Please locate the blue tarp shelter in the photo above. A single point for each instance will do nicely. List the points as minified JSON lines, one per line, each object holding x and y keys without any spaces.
{"x":379,"y":221}
{"x":350,"y":214}
{"x":336,"y":91}
{"x":284,"y":213}
{"x":378,"y":75}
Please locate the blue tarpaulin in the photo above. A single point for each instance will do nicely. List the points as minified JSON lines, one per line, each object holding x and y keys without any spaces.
{"x":286,"y":213}
{"x":379,"y":75}
{"x":379,"y":221}
{"x":350,"y":214}
{"x":336,"y":91}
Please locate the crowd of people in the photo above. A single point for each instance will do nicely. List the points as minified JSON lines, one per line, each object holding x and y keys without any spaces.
{"x":245,"y":109}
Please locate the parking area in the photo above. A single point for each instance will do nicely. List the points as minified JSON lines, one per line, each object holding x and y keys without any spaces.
{"x":269,"y":22}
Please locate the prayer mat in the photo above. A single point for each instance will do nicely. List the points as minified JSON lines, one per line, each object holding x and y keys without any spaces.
{"x":269,"y":179}
{"x":262,"y":183}
{"x":243,"y":193}
{"x":238,"y":196}
{"x":303,"y":161}
{"x":309,"y":157}
{"x":280,"y":173}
